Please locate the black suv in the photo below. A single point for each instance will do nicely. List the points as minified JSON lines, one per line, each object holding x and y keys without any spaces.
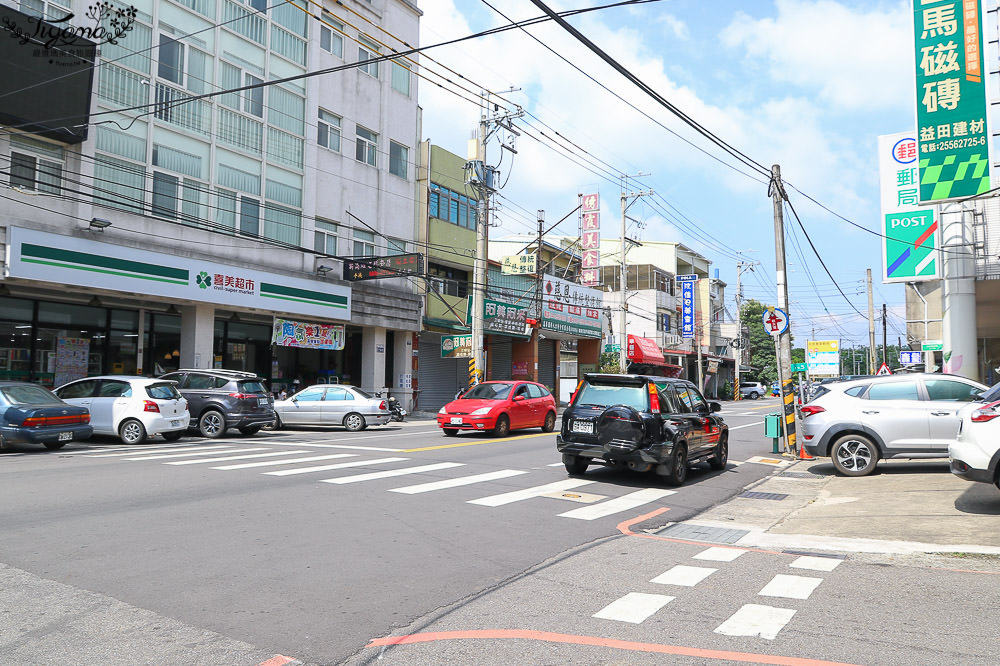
{"x":223,"y":399}
{"x":642,"y":422}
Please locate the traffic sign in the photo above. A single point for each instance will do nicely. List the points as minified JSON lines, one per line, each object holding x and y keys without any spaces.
{"x":883,"y":370}
{"x":799,"y":367}
{"x":931,"y":345}
{"x":775,"y":321}
{"x":687,"y":278}
{"x":612,"y":348}
{"x":910,"y":357}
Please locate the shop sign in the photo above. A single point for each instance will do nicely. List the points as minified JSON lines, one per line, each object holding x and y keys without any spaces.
{"x":520,"y":264}
{"x":909,"y":233}
{"x":823,"y":357}
{"x":72,"y":360}
{"x":590,"y":239}
{"x":931,"y":345}
{"x":376,"y":268}
{"x":713,"y":366}
{"x":951,"y":100}
{"x":69,"y":261}
{"x":571,"y":308}
{"x":287,"y":333}
{"x":687,"y":307}
{"x":500,"y":317}
{"x":456,"y":346}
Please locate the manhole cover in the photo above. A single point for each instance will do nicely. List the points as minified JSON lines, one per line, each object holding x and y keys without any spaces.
{"x":764,"y":496}
{"x":800,"y":475}
{"x":583,"y":498}
{"x":703,"y":533}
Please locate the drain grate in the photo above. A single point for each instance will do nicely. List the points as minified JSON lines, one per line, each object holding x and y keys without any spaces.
{"x":800,"y":475}
{"x":764,"y":496}
{"x":703,"y":533}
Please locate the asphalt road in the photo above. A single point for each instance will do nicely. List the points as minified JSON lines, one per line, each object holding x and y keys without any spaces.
{"x":179,"y":553}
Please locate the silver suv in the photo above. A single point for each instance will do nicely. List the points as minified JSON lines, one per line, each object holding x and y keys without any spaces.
{"x":903,"y":416}
{"x":752,"y":390}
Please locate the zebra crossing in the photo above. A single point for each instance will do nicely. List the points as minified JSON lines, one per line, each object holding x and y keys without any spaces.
{"x":300,"y":460}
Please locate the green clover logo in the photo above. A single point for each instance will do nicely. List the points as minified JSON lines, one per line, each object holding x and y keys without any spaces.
{"x":203,"y":280}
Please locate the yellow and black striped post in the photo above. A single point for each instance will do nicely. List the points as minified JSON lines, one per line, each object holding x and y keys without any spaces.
{"x":473,"y":375}
{"x":788,"y":398}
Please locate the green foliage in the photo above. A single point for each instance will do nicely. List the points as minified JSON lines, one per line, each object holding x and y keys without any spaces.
{"x":609,"y":362}
{"x":764,"y":366}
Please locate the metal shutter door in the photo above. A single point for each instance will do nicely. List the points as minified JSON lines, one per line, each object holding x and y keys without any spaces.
{"x":501,"y":353}
{"x":547,"y":362}
{"x":438,"y":378}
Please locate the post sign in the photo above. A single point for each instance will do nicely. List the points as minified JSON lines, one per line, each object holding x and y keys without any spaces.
{"x":951,"y":100}
{"x":909,"y":233}
{"x":456,"y":346}
{"x":520,"y":264}
{"x":823,"y":357}
{"x":376,"y":268}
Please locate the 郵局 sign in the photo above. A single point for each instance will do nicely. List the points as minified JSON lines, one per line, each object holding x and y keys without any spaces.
{"x":952,"y":149}
{"x":456,"y":346}
{"x":909,"y":232}
{"x":287,"y":333}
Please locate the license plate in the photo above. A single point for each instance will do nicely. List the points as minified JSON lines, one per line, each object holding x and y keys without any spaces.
{"x":583,"y":426}
{"x":65,"y":436}
{"x":176,"y":423}
{"x":262,"y":402}
{"x":456,"y":419}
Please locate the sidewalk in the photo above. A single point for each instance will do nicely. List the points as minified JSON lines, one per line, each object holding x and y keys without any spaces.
{"x":905,"y":507}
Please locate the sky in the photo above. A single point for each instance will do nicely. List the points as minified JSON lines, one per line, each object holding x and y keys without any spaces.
{"x":808,"y":85}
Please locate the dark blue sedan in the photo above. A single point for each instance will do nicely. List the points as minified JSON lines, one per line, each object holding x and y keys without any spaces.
{"x":32,"y":415}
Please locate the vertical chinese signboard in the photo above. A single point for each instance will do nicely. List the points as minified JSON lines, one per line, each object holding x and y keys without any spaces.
{"x":909,"y":233}
{"x":590,"y":239}
{"x":951,"y":100}
{"x":687,"y":305}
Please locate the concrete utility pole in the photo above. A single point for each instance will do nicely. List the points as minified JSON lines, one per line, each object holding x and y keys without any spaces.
{"x":623,"y":283}
{"x":784,"y":341}
{"x":885,"y":351}
{"x":871,"y":326}
{"x":740,"y":267}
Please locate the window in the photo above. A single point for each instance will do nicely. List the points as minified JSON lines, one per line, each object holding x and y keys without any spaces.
{"x":249,"y":216}
{"x":329,"y":130}
{"x":47,"y":10}
{"x":682,"y":397}
{"x":397,"y":159}
{"x":33,"y":173}
{"x":452,"y":207}
{"x":330,"y":40}
{"x":114,"y":389}
{"x":366,"y":51}
{"x":894,"y":391}
{"x":253,"y":99}
{"x":259,"y":5}
{"x":395,"y":246}
{"x":364,"y":243}
{"x":171,"y":66}
{"x":339,"y":394}
{"x":165,"y":189}
{"x":84,"y":389}
{"x":534,"y":391}
{"x":325,"y":237}
{"x":449,"y":281}
{"x":950,"y":390}
{"x":697,"y":401}
{"x":400,"y":77}
{"x":367,"y":147}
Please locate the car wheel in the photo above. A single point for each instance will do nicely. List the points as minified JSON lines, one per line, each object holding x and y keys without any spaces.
{"x":250,"y":430}
{"x":550,"y":422}
{"x":212,"y":424}
{"x":678,"y":466}
{"x":354,"y":422}
{"x":132,"y":431}
{"x":52,"y":446}
{"x":754,"y":395}
{"x":502,"y":428}
{"x":575,"y":464}
{"x":718,"y":461}
{"x":450,"y":432}
{"x":854,"y":455}
{"x":173,"y":436}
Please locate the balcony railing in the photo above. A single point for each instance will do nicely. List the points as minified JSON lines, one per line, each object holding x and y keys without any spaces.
{"x":172,"y":108}
{"x":245,"y":21}
{"x":122,"y":87}
{"x":284,"y":148}
{"x":240,"y":131}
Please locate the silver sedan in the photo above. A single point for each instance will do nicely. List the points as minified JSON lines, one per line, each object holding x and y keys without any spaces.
{"x":332,"y":404}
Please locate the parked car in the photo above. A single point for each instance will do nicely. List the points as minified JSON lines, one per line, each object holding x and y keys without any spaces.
{"x":975,"y":453}
{"x":332,"y":404}
{"x":500,"y":407}
{"x":752,"y":390}
{"x":642,"y":423}
{"x":31,"y":414}
{"x":133,"y":408}
{"x":908,"y":416}
{"x":223,"y":399}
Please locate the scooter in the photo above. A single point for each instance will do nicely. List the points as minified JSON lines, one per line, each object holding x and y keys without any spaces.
{"x":396,"y":409}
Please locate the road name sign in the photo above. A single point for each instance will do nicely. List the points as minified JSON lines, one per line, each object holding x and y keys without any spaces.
{"x":799,"y":367}
{"x":687,"y":278}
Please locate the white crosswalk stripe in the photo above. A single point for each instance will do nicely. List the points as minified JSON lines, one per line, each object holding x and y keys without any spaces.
{"x":289,"y":461}
{"x":634,"y":607}
{"x":324,"y":468}
{"x":682,"y":575}
{"x":246,"y":456}
{"x":456,"y":482}
{"x":756,"y":620}
{"x":716,"y":554}
{"x":619,"y":504}
{"x":167,"y":456}
{"x":790,"y":587}
{"x":528,"y":493}
{"x":126,"y":450}
{"x":392,"y":472}
{"x":816,"y":563}
{"x":176,"y":449}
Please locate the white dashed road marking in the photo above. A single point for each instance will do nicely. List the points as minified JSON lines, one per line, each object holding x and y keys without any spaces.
{"x":246,"y":456}
{"x":460,"y":481}
{"x":197,"y":453}
{"x":623,"y":503}
{"x":682,"y":575}
{"x":790,"y":587}
{"x":218,"y":448}
{"x":289,"y":461}
{"x":392,"y":472}
{"x":715,"y":554}
{"x":756,"y":620}
{"x":634,"y":607}
{"x":324,"y":468}
{"x":528,"y":493}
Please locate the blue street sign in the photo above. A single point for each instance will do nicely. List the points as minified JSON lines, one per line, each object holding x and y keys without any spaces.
{"x":687,"y":278}
{"x":687,"y":309}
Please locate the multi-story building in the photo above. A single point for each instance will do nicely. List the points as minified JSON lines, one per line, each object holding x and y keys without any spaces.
{"x":196,"y":219}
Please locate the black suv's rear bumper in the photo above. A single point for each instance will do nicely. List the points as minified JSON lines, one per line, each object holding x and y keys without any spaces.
{"x":624,"y":452}
{"x":248,"y":420}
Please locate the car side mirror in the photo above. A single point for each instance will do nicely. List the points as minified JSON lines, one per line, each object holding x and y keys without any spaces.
{"x":518,"y":398}
{"x":714,"y":407}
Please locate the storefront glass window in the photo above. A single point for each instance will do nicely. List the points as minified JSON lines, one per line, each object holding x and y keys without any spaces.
{"x":64,"y":355}
{"x":163,"y":343}
{"x":16,"y":309}
{"x":72,"y":315}
{"x":15,"y":350}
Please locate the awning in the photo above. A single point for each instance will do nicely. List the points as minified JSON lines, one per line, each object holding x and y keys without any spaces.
{"x":644,"y":350}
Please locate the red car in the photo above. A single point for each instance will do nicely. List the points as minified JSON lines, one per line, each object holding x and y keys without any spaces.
{"x":500,"y":407}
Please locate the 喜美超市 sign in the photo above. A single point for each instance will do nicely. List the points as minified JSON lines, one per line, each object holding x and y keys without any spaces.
{"x":571,"y":308}
{"x":953,"y":155}
{"x":287,"y":333}
{"x":65,"y":260}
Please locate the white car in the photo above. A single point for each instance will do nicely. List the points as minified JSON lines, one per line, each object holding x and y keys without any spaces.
{"x":133,"y":408}
{"x":975,"y":453}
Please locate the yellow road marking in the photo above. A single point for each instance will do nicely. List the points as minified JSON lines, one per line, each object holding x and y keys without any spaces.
{"x":482,"y":441}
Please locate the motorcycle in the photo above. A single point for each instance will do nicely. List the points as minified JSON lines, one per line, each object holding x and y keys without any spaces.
{"x":396,"y":409}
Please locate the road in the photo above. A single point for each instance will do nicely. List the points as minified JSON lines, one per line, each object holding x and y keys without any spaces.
{"x":302,"y":543}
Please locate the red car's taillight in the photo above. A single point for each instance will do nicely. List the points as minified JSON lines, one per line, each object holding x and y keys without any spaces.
{"x":986,"y":413}
{"x":381,"y":405}
{"x":150,"y":406}
{"x":809,"y":410}
{"x":242,"y":396}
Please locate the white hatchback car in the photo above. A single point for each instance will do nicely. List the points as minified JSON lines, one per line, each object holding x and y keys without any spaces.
{"x":133,"y":408}
{"x":975,"y":453}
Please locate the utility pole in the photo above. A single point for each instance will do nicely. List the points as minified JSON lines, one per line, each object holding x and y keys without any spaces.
{"x":740,"y":267}
{"x":623,"y":283}
{"x":885,"y":353}
{"x":783,"y":341}
{"x":871,"y":326}
{"x":535,"y":330}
